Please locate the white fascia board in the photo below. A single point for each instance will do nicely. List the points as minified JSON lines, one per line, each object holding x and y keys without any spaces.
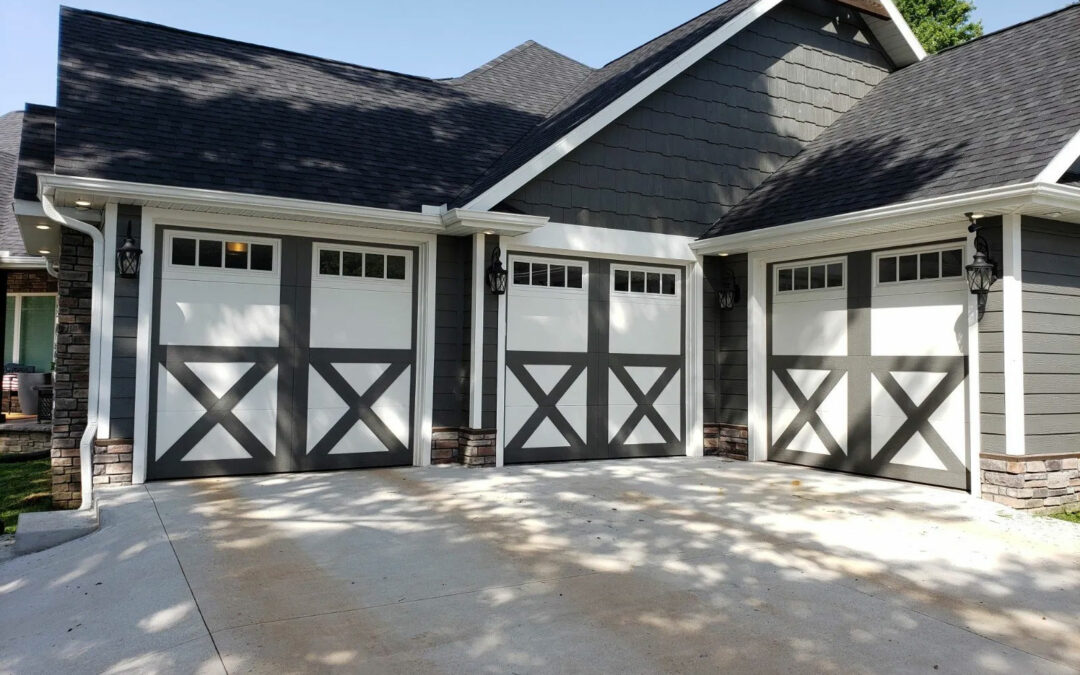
{"x":902,"y":26}
{"x":992,"y":201}
{"x":607,"y":242}
{"x":18,"y":262}
{"x":463,"y":222}
{"x":562,"y":147}
{"x":1062,"y":162}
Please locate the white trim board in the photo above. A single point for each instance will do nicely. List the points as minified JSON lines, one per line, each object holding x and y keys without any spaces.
{"x":1068,"y":156}
{"x":603,"y":242}
{"x":1012,"y":306}
{"x":586,"y":130}
{"x":476,"y":333}
{"x":108,"y":306}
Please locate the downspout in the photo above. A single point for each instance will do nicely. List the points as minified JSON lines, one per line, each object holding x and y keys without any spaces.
{"x":86,"y":445}
{"x":50,"y":267}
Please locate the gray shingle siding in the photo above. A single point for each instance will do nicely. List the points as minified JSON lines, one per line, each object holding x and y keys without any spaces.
{"x":490,"y":368}
{"x":724,"y":335}
{"x":991,"y":356}
{"x":453,"y":265}
{"x":1051,"y":297}
{"x":685,"y":155}
{"x":125,"y":332}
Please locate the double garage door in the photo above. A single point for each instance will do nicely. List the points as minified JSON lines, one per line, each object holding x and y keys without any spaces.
{"x":280,"y":354}
{"x":867,"y":363}
{"x":594,"y":360}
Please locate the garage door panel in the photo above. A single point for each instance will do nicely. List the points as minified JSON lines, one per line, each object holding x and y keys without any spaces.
{"x":811,"y":327}
{"x":354,"y":328}
{"x":219,"y":313}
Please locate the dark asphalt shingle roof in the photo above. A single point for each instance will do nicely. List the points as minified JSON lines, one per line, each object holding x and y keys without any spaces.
{"x":603,"y":87}
{"x":151,"y":104}
{"x":990,"y":113}
{"x":35,"y":149}
{"x":10,"y":134}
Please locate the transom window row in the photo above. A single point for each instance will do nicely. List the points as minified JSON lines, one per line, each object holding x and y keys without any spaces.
{"x":231,"y":255}
{"x":338,"y":263}
{"x":946,"y":264}
{"x":639,"y":281}
{"x":553,"y":275}
{"x":810,"y":277}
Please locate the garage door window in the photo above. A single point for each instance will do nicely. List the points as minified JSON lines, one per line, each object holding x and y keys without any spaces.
{"x":646,"y":282}
{"x":810,"y":277}
{"x":920,"y":266}
{"x":335,"y":262}
{"x":222,"y":254}
{"x":552,"y":275}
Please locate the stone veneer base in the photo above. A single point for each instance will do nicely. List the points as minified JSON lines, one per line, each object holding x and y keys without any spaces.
{"x":726,"y":440}
{"x":1040,"y":484}
{"x":474,"y":448}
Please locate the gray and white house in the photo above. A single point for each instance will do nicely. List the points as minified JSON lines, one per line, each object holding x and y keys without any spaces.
{"x":779,"y":231}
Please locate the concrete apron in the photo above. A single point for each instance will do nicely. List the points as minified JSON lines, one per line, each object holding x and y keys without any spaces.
{"x":639,"y":566}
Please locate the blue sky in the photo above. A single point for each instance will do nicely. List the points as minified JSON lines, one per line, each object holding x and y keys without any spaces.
{"x":435,"y":38}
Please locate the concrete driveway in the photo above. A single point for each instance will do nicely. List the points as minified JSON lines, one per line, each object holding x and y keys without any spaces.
{"x":696,"y":565}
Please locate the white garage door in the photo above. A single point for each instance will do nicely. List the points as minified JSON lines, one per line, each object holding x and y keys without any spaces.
{"x":867,"y":364}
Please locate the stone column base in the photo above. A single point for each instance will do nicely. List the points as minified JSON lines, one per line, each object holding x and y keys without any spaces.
{"x":112,"y":461}
{"x":1040,"y":484}
{"x":726,"y":440}
{"x":461,"y":445}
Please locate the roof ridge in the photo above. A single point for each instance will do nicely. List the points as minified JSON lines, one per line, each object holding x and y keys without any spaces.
{"x":1006,"y":29}
{"x":664,"y":34}
{"x":206,"y":36}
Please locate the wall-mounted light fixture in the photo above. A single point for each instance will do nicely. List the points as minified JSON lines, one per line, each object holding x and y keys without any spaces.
{"x":128,"y":257}
{"x":496,"y":273}
{"x":982,"y":272}
{"x":729,"y":293}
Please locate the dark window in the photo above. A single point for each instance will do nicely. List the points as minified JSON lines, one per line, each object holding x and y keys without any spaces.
{"x":183,"y":251}
{"x":929,"y":264}
{"x":236,"y":255}
{"x":395,"y":267}
{"x":521,"y":273}
{"x":329,"y":262}
{"x":652,"y":283}
{"x":573,"y":277}
{"x":886,"y":270}
{"x":637,"y":282}
{"x":909,"y":267}
{"x":668,"y":286}
{"x":539,"y":274}
{"x":209,"y":253}
{"x":373,"y":265}
{"x":558,"y":276}
{"x":622,"y":280}
{"x":817,"y":276}
{"x":952,"y":263}
{"x":262,"y":257}
{"x":836,"y":275}
{"x":785,"y":280}
{"x":802,"y":278}
{"x":352,"y":264}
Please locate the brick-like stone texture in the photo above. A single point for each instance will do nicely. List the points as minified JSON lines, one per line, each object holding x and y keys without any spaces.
{"x":71,"y":378}
{"x":726,"y":440}
{"x":31,"y":281}
{"x":475,"y":448}
{"x":1037,"y":483}
{"x":112,"y":462}
{"x":20,"y":442}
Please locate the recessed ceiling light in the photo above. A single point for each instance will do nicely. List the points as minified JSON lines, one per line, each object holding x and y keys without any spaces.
{"x":43,"y":227}
{"x":44,"y":251}
{"x":724,"y":255}
{"x":1054,"y":214}
{"x":489,"y":231}
{"x":82,"y":203}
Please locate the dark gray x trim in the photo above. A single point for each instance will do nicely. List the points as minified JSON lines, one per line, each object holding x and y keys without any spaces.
{"x":645,"y":402}
{"x":808,"y":408}
{"x":918,"y":419}
{"x":359,"y":407}
{"x":547,"y":402}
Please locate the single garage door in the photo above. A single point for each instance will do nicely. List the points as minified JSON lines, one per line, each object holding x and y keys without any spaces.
{"x":281,"y":354}
{"x":867,"y":364}
{"x":594,"y":360}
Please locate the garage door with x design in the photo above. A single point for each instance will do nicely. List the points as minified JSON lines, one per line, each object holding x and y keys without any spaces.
{"x":594,"y":360}
{"x":280,"y":354}
{"x":867,"y":364}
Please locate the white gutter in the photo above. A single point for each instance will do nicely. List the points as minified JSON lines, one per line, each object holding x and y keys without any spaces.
{"x":991,"y":201}
{"x":50,"y":267}
{"x":86,"y":445}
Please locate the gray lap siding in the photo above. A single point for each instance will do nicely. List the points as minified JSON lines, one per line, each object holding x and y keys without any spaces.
{"x":724,"y":335}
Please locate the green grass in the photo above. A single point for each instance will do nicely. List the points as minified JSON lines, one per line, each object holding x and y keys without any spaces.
{"x":24,"y":486}
{"x":1070,"y":517}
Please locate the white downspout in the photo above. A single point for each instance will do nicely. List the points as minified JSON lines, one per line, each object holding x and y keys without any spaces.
{"x":50,"y":267}
{"x":86,"y":445}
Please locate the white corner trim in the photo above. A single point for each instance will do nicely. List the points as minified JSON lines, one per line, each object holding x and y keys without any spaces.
{"x":974,"y":391}
{"x":1062,"y":162}
{"x":426,"y":358}
{"x":1013,"y":334}
{"x":500,"y":387}
{"x":562,"y":147}
{"x":144,"y":376}
{"x":694,"y":372}
{"x":108,"y":307}
{"x":476,"y":335}
{"x":757,"y":415}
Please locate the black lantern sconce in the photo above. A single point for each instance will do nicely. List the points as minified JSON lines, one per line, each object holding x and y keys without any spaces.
{"x":982,"y":272}
{"x":729,"y":293}
{"x":128,"y":257}
{"x":496,"y":273}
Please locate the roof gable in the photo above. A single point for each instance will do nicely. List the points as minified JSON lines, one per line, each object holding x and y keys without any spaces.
{"x":10,"y":136}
